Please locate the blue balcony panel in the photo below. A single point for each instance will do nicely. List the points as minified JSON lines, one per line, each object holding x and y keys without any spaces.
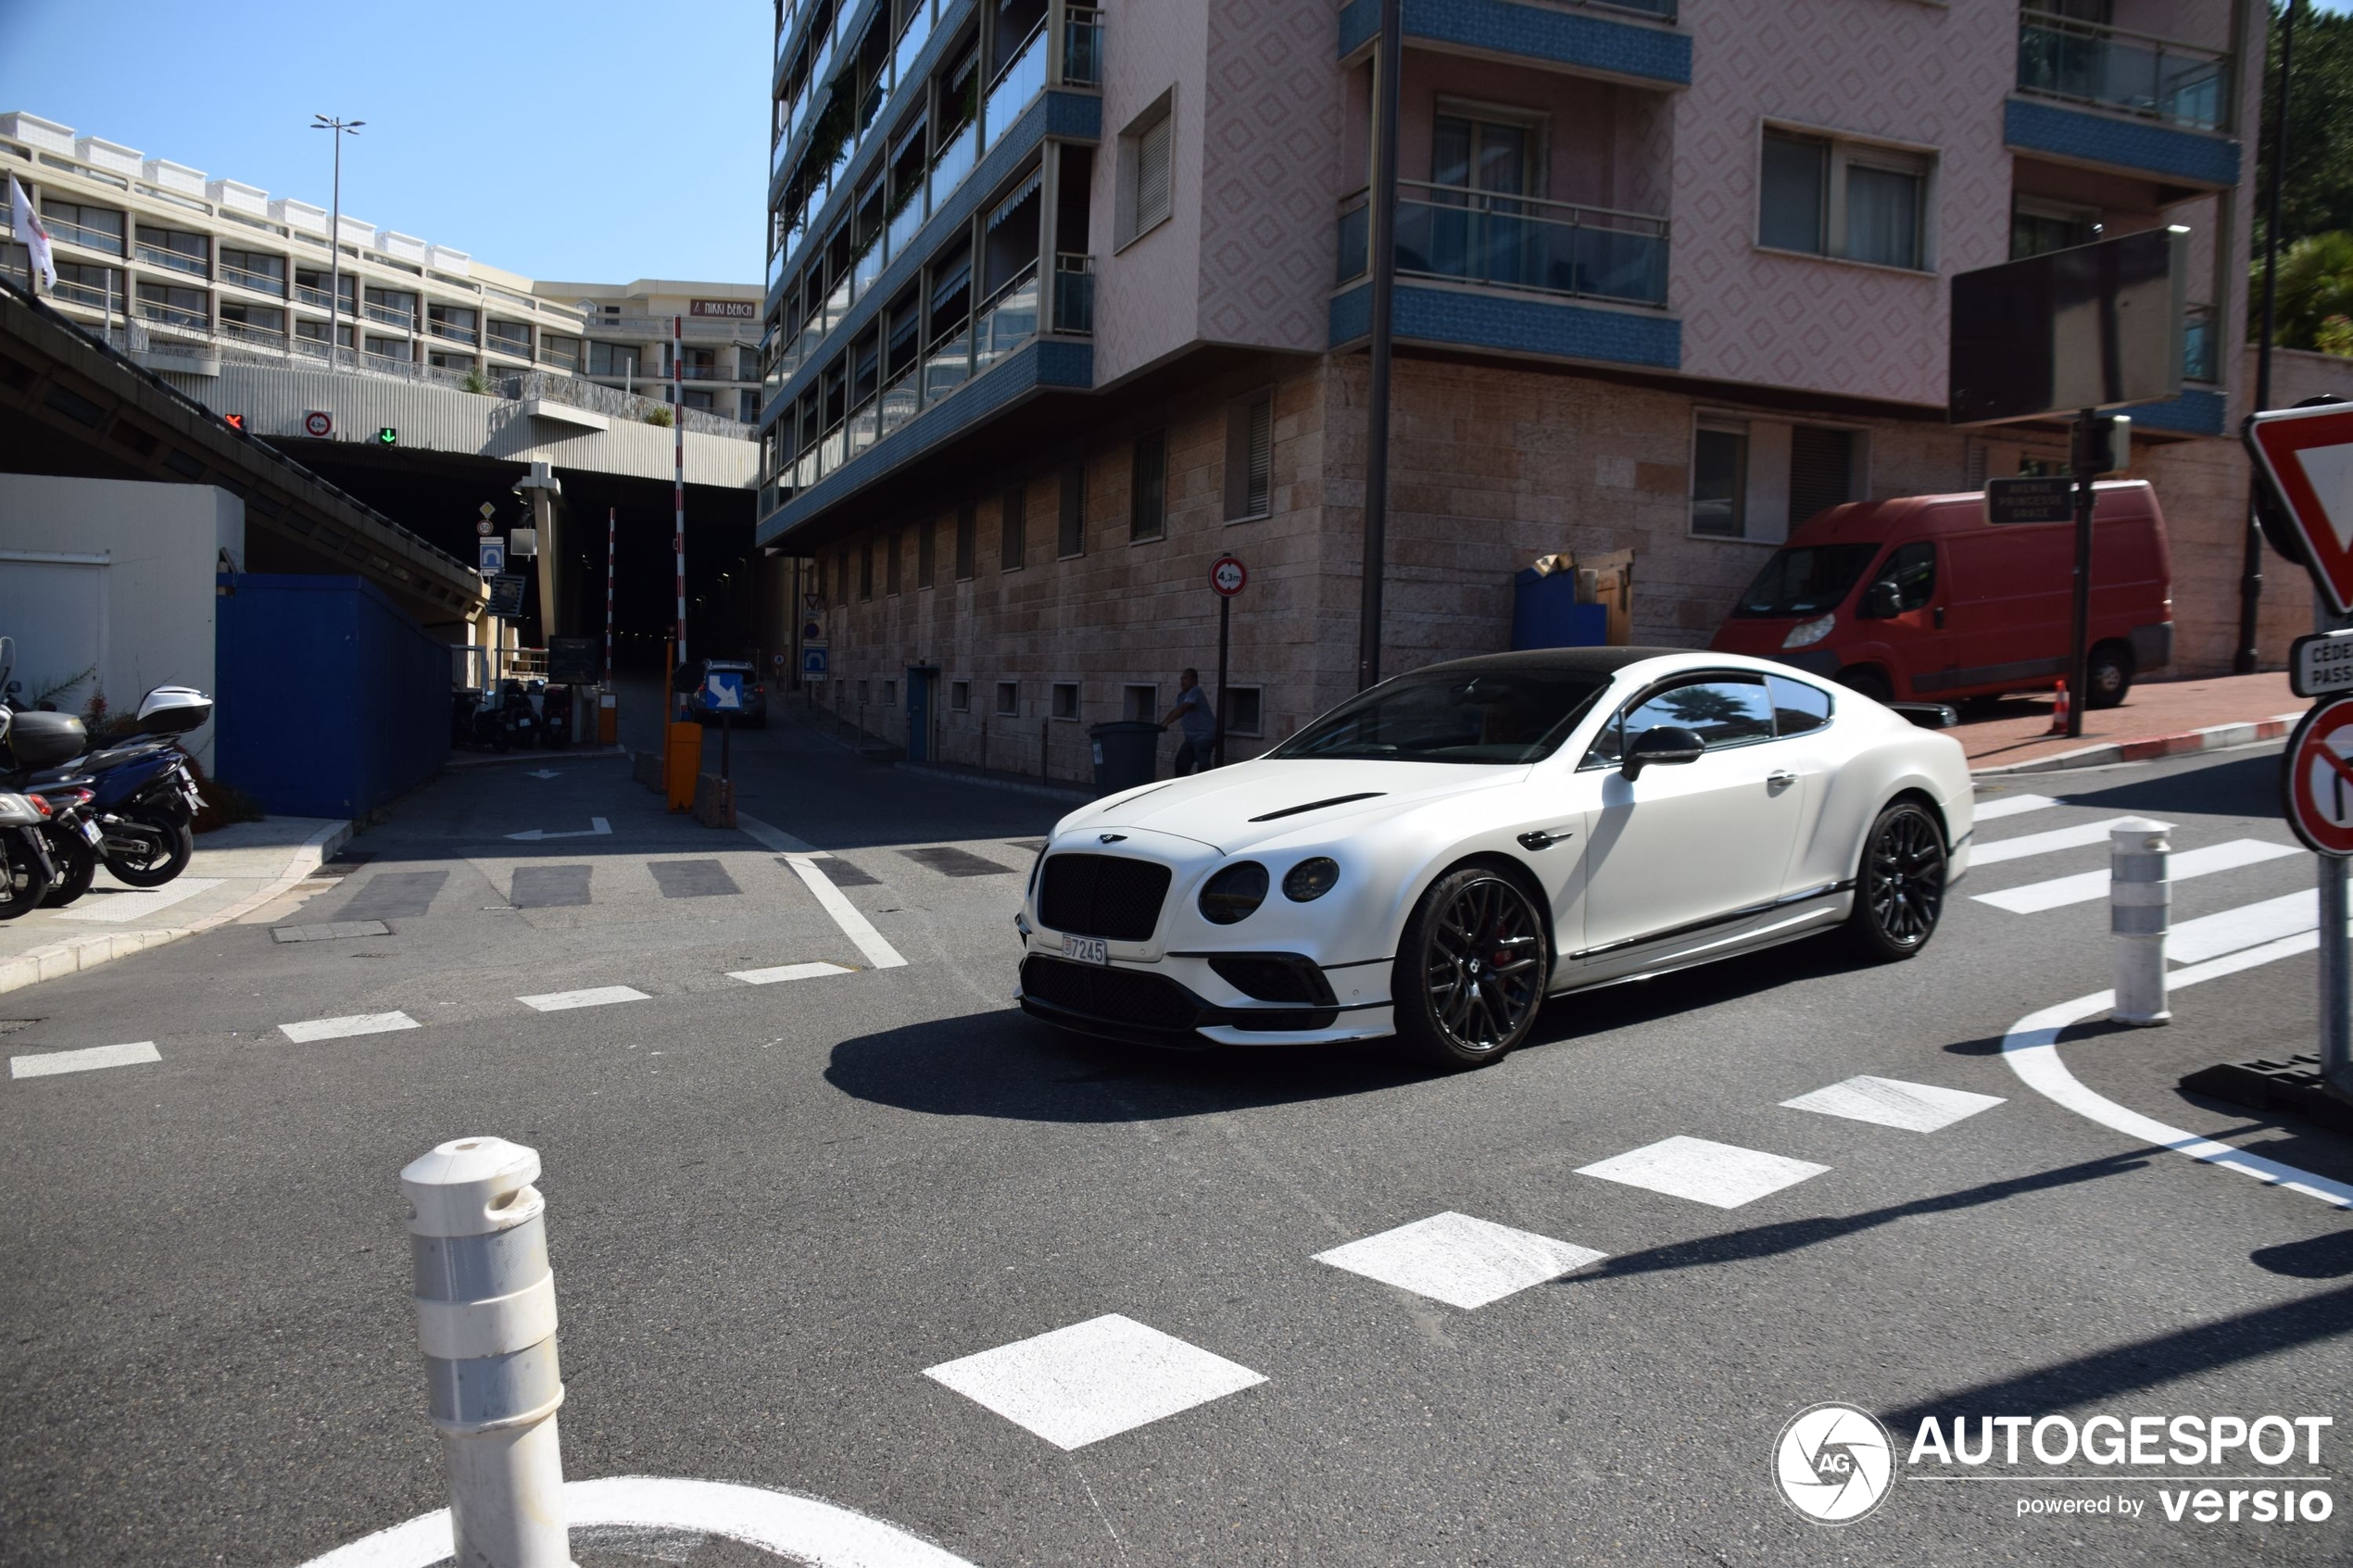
{"x":1515,"y":324}
{"x":2086,"y":136}
{"x":1587,"y":40}
{"x":1044,"y":365}
{"x":2194,"y":412}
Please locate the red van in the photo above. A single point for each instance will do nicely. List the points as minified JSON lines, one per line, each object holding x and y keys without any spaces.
{"x":1922,"y":599}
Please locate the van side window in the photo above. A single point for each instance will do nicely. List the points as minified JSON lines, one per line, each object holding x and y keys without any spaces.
{"x":1797,"y":707}
{"x":1912,"y":568}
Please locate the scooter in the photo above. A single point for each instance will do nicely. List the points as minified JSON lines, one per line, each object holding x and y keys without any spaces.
{"x":74,"y":837}
{"x":142,"y":797}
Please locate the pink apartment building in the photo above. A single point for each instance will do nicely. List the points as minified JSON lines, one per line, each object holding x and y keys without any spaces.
{"x":1065,"y":302}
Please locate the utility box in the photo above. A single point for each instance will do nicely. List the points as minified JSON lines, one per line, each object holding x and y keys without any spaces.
{"x":1126,"y":754}
{"x":681,"y":765}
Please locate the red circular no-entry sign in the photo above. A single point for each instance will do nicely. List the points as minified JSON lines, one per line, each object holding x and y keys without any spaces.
{"x":2316,"y":778}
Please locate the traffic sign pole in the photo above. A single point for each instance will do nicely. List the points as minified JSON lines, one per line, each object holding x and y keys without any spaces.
{"x":2316,"y":795}
{"x":1227,"y":577}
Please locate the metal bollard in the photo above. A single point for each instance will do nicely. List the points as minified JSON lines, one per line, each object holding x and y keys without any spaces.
{"x":2139,"y":905}
{"x":486,"y":1319}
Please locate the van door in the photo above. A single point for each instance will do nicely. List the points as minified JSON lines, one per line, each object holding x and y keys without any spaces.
{"x":1908,"y":582}
{"x":2007,"y":621}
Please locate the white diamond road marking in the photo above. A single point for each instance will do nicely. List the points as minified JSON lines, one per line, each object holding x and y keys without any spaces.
{"x":2010,"y":806}
{"x":1092,"y":1380}
{"x":1720,"y":1174}
{"x":358,"y":1023}
{"x":594,"y":997}
{"x":83,"y":1060}
{"x":1462,"y":1262}
{"x":1892,"y":1102}
{"x":107,"y":909}
{"x":2019,"y":849}
{"x":2084,"y":886}
{"x":2209,"y":936}
{"x":786,"y":972}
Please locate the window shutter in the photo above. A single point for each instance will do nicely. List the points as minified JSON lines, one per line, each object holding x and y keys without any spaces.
{"x":1821,"y":469}
{"x":1152,"y":183}
{"x":1259,"y":490}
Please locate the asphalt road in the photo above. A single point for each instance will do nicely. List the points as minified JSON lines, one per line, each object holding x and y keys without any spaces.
{"x":771,"y":1207}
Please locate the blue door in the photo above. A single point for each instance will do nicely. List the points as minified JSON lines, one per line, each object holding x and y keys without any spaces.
{"x":919,"y":701}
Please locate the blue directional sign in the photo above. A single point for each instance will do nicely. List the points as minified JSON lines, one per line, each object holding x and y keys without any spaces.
{"x":493,"y":556}
{"x":812,"y":661}
{"x":722,"y":691}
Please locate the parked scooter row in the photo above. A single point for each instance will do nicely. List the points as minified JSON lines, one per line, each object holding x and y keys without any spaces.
{"x":514,"y":713}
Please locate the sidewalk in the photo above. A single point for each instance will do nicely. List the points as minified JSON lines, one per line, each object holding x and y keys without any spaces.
{"x":2158,"y":718}
{"x":235,"y":872}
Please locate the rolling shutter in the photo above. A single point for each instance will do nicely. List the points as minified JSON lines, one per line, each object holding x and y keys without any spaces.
{"x":1259,"y":484}
{"x":1821,"y":469}
{"x":1152,"y":177}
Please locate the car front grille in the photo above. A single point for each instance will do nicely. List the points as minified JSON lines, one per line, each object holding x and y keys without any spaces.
{"x":1119,"y":996}
{"x":1108,"y":896}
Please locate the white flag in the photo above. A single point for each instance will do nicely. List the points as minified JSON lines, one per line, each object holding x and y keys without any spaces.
{"x":35,"y":238}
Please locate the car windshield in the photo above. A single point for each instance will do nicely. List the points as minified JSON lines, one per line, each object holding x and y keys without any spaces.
{"x":1494,"y":716}
{"x":1804,"y":580}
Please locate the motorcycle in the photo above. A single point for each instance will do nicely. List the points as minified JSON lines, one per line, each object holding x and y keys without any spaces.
{"x":500,"y":720}
{"x":554,"y":703}
{"x":141,"y":796}
{"x":74,"y":836}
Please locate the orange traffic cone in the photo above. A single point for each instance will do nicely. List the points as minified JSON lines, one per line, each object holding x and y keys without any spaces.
{"x":2059,"y":710}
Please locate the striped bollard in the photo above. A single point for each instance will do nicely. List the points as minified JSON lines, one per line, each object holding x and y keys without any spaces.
{"x":2139,"y":905}
{"x":486,"y":1319}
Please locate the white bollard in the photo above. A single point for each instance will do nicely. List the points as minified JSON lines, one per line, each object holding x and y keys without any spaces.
{"x":486,"y":1319}
{"x":2140,"y":906}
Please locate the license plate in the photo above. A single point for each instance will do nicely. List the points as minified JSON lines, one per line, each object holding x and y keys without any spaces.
{"x":90,"y":833}
{"x":1087,"y":949}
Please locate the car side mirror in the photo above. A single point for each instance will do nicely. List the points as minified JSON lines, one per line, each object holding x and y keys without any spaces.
{"x":1882,"y":601}
{"x":1661,"y":743}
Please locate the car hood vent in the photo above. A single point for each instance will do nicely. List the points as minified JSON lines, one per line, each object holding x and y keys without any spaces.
{"x":1319,"y":805}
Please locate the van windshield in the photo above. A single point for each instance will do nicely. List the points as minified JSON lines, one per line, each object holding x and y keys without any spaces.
{"x":1805,"y":580}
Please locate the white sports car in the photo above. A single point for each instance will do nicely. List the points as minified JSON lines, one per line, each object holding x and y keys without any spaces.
{"x":1435,"y":857}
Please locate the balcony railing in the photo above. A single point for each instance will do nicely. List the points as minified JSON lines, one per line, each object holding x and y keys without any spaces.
{"x":83,"y":294}
{"x":390,"y":316}
{"x":174,"y":316}
{"x":911,"y":44}
{"x":264,"y":337}
{"x":177,"y":261}
{"x":261,"y":282}
{"x":2201,"y":345}
{"x":1022,"y":79}
{"x":454,"y":332}
{"x":1082,"y":46}
{"x":80,"y":234}
{"x":1515,"y":242}
{"x":317,"y":298}
{"x":1075,"y":293}
{"x":518,"y":347}
{"x":2179,"y":83}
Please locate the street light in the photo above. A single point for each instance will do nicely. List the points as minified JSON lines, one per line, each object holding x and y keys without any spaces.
{"x":341,"y":128}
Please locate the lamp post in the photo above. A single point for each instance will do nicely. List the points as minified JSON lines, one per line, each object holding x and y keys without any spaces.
{"x":341,"y":128}
{"x":2249,"y":657}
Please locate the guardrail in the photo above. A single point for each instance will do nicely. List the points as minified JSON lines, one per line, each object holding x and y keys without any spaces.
{"x":2138,"y":74}
{"x":1514,"y":241}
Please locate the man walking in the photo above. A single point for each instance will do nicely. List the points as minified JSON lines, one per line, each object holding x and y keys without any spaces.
{"x":1199,"y":723}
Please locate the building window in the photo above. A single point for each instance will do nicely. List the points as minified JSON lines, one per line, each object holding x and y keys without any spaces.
{"x":841,"y":576}
{"x":2037,"y":227}
{"x":1243,"y":711}
{"x":1146,"y":170}
{"x":967,"y":541}
{"x":1821,"y":469}
{"x":93,"y":228}
{"x":1065,"y":699}
{"x":1249,"y":457}
{"x":254,"y":269}
{"x":1071,"y":539}
{"x":1008,"y":699}
{"x":746,"y":407}
{"x":1848,"y":199}
{"x":1147,"y":490}
{"x":308,"y":329}
{"x":891,"y":694}
{"x":960,"y":697}
{"x":1719,"y":480}
{"x":890,"y":565}
{"x":176,"y":307}
{"x":862,"y":695}
{"x":926,"y":552}
{"x":1014,"y":529}
{"x":509,"y":337}
{"x":1140,"y":703}
{"x":613,"y":359}
{"x":240,"y":319}
{"x":865,"y":570}
{"x":449,"y":361}
{"x":560,"y":350}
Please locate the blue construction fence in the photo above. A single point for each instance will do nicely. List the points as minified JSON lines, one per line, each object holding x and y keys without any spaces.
{"x":330,"y":702}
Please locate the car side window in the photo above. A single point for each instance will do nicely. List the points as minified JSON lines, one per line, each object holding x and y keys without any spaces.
{"x":1797,"y":707}
{"x":1912,"y":568}
{"x":1723,"y":711}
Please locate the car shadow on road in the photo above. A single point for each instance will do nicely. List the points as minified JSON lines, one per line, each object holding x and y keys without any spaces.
{"x":1584,"y":1014}
{"x":2245,"y":786}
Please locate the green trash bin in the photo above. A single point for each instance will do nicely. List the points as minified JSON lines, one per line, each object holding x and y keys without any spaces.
{"x":1126,"y":754}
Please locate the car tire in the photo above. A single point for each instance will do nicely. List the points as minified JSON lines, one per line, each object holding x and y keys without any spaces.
{"x":1899,"y":884}
{"x":2108,"y":675}
{"x":1478,"y":929}
{"x":1870,"y":682}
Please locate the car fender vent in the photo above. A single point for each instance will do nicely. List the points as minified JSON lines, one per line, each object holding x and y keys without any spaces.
{"x":1319,"y":805}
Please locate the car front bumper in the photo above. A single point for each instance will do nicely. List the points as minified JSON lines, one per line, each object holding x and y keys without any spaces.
{"x":1134,"y":1004}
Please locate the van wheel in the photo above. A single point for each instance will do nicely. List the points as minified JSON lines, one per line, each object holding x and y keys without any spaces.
{"x":2108,"y":675}
{"x":1868,"y":682}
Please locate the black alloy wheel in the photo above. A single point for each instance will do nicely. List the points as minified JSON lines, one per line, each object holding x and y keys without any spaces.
{"x":163,"y":845}
{"x":1899,"y":888}
{"x":1471,"y":970}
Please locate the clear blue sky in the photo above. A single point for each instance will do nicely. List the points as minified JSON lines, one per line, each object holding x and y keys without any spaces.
{"x":586,"y":140}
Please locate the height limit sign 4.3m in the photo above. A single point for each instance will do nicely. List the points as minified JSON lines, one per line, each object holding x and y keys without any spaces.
{"x":1228,"y":577}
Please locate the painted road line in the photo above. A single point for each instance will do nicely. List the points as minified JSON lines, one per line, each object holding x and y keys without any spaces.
{"x":358,"y":1023}
{"x":2075,"y":838}
{"x":594,"y":997}
{"x":2209,"y":936}
{"x":787,"y":972}
{"x":1720,"y":1174}
{"x":776,"y":838}
{"x":2010,"y":806}
{"x":1462,"y":1262}
{"x":105,"y":909}
{"x":2084,"y":886}
{"x":88,"y":1060}
{"x":1092,"y":1380}
{"x":1892,"y":1102}
{"x":2031,"y":1050}
{"x":597,"y":828}
{"x":793,"y":1527}
{"x":857,"y":927}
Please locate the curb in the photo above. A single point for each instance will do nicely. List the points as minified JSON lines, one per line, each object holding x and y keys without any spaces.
{"x":576,"y":753}
{"x":87,"y":952}
{"x":1071,"y":797}
{"x":2213,"y":738}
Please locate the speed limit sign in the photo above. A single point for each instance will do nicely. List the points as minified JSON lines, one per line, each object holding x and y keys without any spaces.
{"x":2316,"y":779}
{"x":1226,"y":574}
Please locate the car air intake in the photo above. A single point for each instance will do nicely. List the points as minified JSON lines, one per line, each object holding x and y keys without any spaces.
{"x":1120,"y":996}
{"x":1108,"y":895}
{"x":1274,"y":977}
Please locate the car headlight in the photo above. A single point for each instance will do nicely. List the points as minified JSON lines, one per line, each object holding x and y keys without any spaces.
{"x":1806,"y":634}
{"x":1233,"y":893}
{"x":1310,"y":880}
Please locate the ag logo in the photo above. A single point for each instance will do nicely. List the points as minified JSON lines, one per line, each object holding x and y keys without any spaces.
{"x":1834,"y":1463}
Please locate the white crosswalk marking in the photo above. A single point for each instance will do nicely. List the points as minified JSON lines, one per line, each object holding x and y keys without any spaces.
{"x":1462,"y":1262}
{"x":1092,"y":1380}
{"x":109,"y":905}
{"x":2035,"y":897}
{"x":2210,"y":936}
{"x":594,"y":997}
{"x":2019,"y":849}
{"x":786,"y":972}
{"x":83,"y":1060}
{"x":1720,"y":1174}
{"x":1891,"y":1102}
{"x":338,"y":1028}
{"x":2010,"y":806}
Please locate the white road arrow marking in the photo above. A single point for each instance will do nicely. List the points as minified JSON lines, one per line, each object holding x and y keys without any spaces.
{"x":597,"y":828}
{"x":542,"y":773}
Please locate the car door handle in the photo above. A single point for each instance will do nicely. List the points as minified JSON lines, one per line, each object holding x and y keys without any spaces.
{"x":1779,"y":778}
{"x":1544,"y":838}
